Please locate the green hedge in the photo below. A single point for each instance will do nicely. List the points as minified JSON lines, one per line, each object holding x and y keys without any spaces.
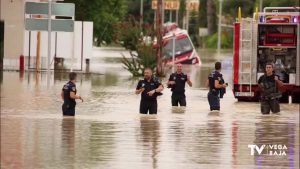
{"x":226,"y":40}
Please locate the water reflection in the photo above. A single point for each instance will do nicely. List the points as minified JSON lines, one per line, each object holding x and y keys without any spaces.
{"x":101,"y":142}
{"x":234,"y":144}
{"x":11,"y":153}
{"x":21,"y":75}
{"x":207,"y":140}
{"x":68,"y":141}
{"x":108,"y":132}
{"x":150,"y":136}
{"x":105,"y":80}
{"x":271,"y":131}
{"x":178,"y":110}
{"x":1,"y":77}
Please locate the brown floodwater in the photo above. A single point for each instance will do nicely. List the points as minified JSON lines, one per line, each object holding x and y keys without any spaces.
{"x":109,"y":133}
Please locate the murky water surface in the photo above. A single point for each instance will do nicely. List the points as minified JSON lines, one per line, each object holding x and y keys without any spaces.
{"x":108,"y":132}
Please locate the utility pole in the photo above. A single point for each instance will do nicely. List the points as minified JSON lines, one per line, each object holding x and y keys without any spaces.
{"x":173,"y":52}
{"x":141,"y":13}
{"x":177,"y":16}
{"x":219,"y":26}
{"x":260,"y":5}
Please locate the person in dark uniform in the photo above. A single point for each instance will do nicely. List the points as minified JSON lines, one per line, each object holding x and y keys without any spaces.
{"x":217,"y":87}
{"x":269,"y":85}
{"x":177,"y":82}
{"x":149,"y":88}
{"x":68,"y":94}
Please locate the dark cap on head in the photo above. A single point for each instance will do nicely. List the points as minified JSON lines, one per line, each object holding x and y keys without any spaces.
{"x":72,"y":76}
{"x":218,"y":65}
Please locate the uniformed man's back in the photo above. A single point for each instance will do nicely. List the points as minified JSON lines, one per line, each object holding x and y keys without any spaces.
{"x":68,"y":87}
{"x":216,"y":86}
{"x":68,"y":94}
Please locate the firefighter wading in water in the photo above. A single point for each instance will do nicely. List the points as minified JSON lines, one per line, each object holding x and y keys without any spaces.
{"x":217,"y":87}
{"x":177,"y":82}
{"x":149,"y":88}
{"x":68,"y":94}
{"x":269,"y":85}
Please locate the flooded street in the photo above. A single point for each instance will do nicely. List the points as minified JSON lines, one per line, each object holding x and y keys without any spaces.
{"x":108,"y":132}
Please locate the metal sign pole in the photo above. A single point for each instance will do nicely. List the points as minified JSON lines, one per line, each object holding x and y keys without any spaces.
{"x":49,"y":41}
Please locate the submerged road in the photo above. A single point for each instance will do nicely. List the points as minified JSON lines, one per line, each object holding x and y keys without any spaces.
{"x":108,"y":132}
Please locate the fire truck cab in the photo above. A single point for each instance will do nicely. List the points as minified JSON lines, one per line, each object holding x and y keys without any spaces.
{"x":270,"y":36}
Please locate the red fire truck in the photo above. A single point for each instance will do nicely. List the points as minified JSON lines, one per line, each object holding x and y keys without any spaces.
{"x":185,"y":52}
{"x":270,"y":36}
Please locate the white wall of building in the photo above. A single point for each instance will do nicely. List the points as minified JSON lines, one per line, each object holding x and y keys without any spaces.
{"x":16,"y":40}
{"x":12,"y":12}
{"x":68,"y":46}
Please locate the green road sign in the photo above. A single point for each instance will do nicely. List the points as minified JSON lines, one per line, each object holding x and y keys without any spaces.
{"x":57,"y":25}
{"x":58,"y":9}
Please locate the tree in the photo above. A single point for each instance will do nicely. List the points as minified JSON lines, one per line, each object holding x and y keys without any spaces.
{"x":134,"y":10}
{"x":211,"y":17}
{"x":272,"y":3}
{"x":140,"y":45}
{"x":202,"y":14}
{"x":104,"y":14}
{"x":230,"y":8}
{"x":194,"y":28}
{"x":181,"y":13}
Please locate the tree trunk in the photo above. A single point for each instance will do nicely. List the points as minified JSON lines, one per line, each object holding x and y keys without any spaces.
{"x":211,"y":17}
{"x":159,"y":31}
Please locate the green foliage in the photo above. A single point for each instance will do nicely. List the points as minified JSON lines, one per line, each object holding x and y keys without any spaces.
{"x":211,"y":15}
{"x":230,"y":7}
{"x":273,"y":3}
{"x":194,"y":28}
{"x":202,"y":14}
{"x":128,"y":34}
{"x":132,"y":37}
{"x":134,"y":10}
{"x":104,"y":14}
{"x":181,"y":13}
{"x":226,"y":40}
{"x":145,"y":57}
{"x":107,"y":14}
